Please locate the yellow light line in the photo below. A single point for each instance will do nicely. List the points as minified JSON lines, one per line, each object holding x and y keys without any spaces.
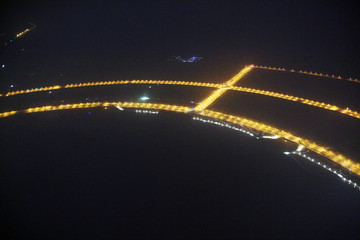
{"x":324,"y":151}
{"x":345,"y":111}
{"x":41,"y":89}
{"x":217,"y":93}
{"x":7,"y":114}
{"x":307,"y":72}
{"x":20,"y":34}
{"x":107,"y":83}
{"x":210,"y":99}
{"x":242,"y":122}
{"x":326,"y":106}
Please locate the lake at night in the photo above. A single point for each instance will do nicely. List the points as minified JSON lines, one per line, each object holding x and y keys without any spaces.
{"x":71,"y":174}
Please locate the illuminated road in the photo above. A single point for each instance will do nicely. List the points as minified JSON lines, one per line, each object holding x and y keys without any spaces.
{"x":218,"y":93}
{"x":322,"y":105}
{"x":200,"y":110}
{"x":118,"y":82}
{"x":20,"y":34}
{"x":326,"y":106}
{"x":236,"y":120}
{"x":307,"y":72}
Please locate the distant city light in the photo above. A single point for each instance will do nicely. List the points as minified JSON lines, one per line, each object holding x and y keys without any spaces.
{"x":11,"y":86}
{"x":186,"y":60}
{"x":146,"y":111}
{"x":2,"y":66}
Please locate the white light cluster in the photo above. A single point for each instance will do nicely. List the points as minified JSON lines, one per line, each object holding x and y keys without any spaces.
{"x":146,"y":111}
{"x":325,"y":167}
{"x":187,"y":60}
{"x":271,"y":137}
{"x":223,"y":125}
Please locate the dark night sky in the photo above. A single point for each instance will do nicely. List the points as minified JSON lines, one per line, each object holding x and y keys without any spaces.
{"x":111,"y":175}
{"x":128,"y":36}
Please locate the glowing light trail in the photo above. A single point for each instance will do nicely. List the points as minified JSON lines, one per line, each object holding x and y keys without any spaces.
{"x":345,"y":111}
{"x":322,"y":105}
{"x":306,"y":72}
{"x":217,"y":93}
{"x":118,"y":82}
{"x":239,"y":121}
{"x":20,"y":34}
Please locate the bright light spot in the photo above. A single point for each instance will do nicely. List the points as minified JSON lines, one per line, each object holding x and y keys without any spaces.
{"x":11,"y":86}
{"x":300,"y":148}
{"x":271,"y":137}
{"x":287,"y":153}
{"x":144,"y":98}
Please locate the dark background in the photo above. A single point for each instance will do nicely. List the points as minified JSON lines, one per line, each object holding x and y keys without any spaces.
{"x":111,"y":175}
{"x":94,"y":40}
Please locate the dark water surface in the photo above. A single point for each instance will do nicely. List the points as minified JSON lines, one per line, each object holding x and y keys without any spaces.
{"x":115,"y":174}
